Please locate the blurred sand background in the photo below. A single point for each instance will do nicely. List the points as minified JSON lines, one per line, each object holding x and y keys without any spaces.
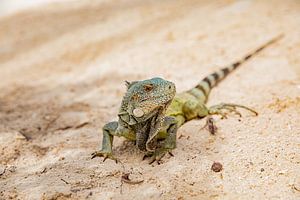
{"x":62,"y":70}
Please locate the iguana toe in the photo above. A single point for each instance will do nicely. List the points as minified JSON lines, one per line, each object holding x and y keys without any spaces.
{"x":105,"y":155}
{"x":158,"y":155}
{"x":219,"y":109}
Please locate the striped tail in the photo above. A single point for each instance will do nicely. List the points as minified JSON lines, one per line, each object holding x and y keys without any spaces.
{"x":203,"y":89}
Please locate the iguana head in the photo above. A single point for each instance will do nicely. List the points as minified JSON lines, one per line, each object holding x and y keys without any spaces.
{"x":144,"y":98}
{"x":143,"y":108}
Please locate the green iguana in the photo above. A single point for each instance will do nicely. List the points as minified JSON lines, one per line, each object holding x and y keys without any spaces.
{"x":151,"y":111}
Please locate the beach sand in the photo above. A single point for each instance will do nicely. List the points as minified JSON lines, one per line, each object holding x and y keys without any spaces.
{"x":62,"y":72}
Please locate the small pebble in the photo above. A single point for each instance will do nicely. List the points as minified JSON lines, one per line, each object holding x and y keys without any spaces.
{"x":282,"y":172}
{"x":216,"y":167}
{"x":19,"y":136}
{"x":2,"y":169}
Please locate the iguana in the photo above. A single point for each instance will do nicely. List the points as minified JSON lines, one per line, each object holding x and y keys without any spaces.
{"x":151,"y":111}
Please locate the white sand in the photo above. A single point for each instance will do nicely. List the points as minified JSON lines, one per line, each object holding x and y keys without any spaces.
{"x":62,"y":73}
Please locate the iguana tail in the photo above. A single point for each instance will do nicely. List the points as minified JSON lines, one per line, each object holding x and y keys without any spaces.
{"x":203,"y":89}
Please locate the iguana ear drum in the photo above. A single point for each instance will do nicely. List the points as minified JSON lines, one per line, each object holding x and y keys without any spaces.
{"x":137,"y":112}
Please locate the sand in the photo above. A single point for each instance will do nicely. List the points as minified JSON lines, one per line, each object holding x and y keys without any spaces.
{"x":62,"y":71}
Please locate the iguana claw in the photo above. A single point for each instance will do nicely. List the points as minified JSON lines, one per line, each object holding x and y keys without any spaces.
{"x":157,"y":155}
{"x":105,"y":155}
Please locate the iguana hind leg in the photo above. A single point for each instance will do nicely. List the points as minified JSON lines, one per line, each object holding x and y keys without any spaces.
{"x":193,"y":109}
{"x":221,"y":109}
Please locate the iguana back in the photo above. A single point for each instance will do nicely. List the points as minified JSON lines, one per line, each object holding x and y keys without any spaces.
{"x":200,"y":93}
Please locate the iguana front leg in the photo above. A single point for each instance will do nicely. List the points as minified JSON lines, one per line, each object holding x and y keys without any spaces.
{"x":110,"y":130}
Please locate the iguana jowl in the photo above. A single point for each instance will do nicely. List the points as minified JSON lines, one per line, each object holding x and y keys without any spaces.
{"x":151,"y":111}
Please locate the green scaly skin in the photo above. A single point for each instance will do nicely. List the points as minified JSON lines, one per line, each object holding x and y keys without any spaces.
{"x":151,"y":111}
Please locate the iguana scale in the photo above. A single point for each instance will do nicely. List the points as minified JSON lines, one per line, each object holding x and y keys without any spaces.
{"x":151,"y":111}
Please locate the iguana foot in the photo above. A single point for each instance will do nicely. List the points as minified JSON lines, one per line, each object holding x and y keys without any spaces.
{"x":157,"y":155}
{"x":210,"y":124}
{"x":105,"y":155}
{"x":223,"y":107}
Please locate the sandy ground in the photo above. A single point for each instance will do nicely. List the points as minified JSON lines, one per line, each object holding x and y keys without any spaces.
{"x":62,"y":72}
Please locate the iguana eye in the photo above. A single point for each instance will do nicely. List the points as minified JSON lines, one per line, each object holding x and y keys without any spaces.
{"x":148,"y":87}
